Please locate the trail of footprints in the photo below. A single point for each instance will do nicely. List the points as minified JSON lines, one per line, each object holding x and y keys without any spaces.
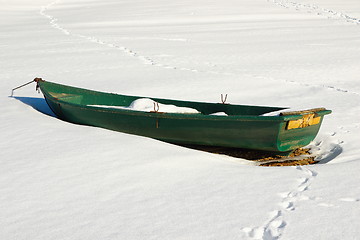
{"x":324,"y":86}
{"x":274,"y":227}
{"x":144,"y":59}
{"x":314,"y":9}
{"x":341,"y":90}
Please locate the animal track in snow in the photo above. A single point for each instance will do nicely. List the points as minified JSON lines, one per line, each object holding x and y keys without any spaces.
{"x":324,"y":86}
{"x":144,"y":59}
{"x":53,"y":21}
{"x":340,"y":90}
{"x":288,"y":205}
{"x":275,"y":226}
{"x":314,"y":9}
{"x":271,"y":230}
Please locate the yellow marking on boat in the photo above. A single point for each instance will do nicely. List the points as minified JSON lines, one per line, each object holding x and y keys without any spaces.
{"x":305,"y":121}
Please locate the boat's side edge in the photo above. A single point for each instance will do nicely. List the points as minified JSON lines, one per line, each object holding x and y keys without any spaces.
{"x":231,"y":109}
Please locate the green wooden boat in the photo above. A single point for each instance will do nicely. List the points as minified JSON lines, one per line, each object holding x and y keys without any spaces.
{"x":242,"y":127}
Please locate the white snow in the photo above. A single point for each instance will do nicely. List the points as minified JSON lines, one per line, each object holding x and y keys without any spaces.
{"x":219,"y":114}
{"x":277,"y":113}
{"x":64,"y":181}
{"x":148,"y":105}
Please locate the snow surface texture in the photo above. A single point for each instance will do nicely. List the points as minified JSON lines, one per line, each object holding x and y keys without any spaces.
{"x":64,"y":181}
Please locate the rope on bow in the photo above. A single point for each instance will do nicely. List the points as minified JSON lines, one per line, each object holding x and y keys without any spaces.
{"x":35,"y":80}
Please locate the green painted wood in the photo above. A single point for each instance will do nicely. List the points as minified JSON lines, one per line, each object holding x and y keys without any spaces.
{"x":242,"y":128}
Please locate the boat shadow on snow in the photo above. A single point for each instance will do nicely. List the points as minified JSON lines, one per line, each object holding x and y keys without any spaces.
{"x":300,"y":156}
{"x":38,"y":104}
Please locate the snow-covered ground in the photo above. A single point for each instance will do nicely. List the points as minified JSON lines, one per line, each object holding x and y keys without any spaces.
{"x":64,"y":181}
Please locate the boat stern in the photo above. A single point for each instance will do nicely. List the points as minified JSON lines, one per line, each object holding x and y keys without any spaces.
{"x":300,"y":129}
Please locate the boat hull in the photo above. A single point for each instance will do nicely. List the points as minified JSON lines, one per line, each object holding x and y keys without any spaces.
{"x":236,"y":131}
